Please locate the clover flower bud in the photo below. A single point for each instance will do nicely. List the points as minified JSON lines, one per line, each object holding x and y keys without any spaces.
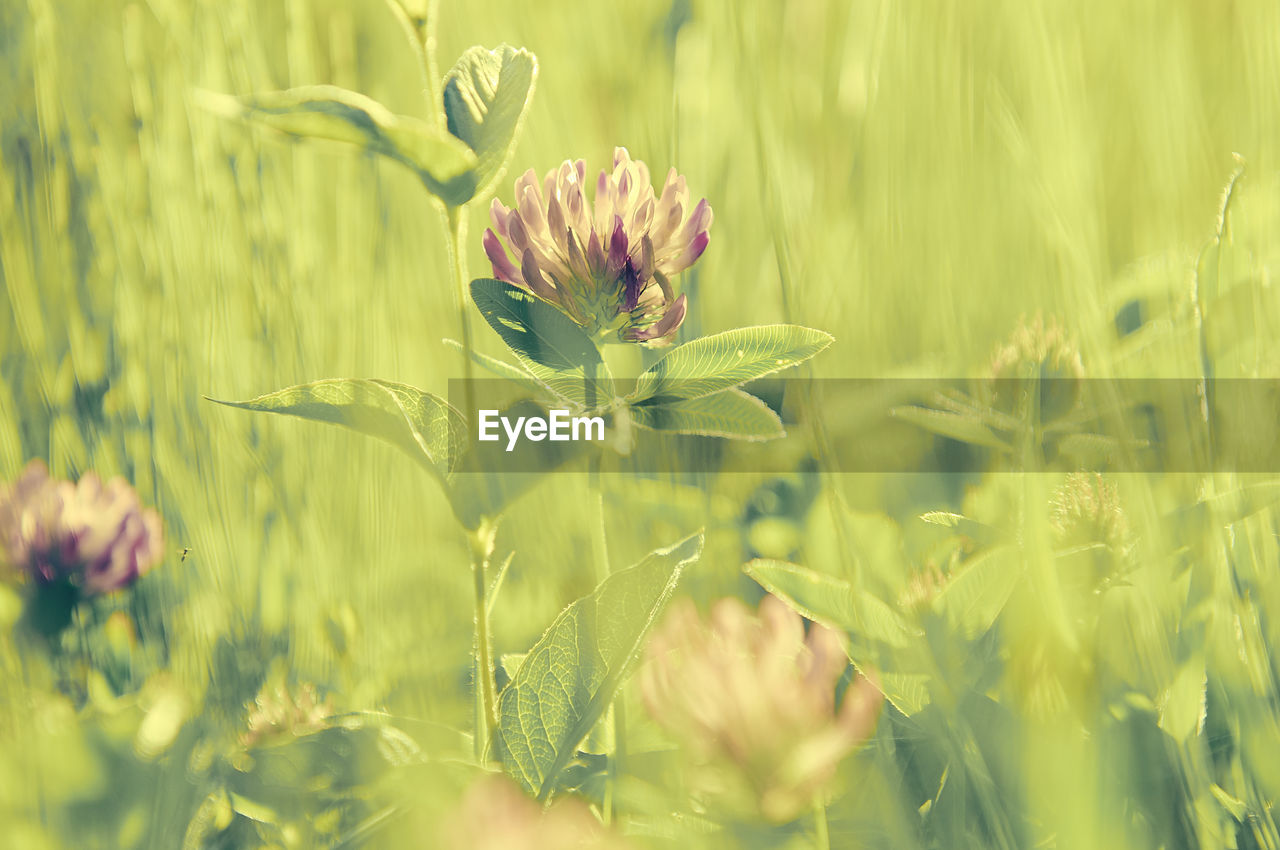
{"x":1038,"y":357}
{"x":1086,"y":517}
{"x":606,"y":263}
{"x":752,"y":698}
{"x":1086,"y":509}
{"x":96,"y":537}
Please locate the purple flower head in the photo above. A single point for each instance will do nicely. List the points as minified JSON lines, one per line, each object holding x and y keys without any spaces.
{"x":607,"y":264}
{"x":93,"y":535}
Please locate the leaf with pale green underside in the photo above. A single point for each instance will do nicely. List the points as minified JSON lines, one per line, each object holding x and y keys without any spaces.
{"x":444,"y":164}
{"x":573,"y":672}
{"x":547,"y":342}
{"x":418,"y":422}
{"x":486,"y":96}
{"x":832,"y":602}
{"x":729,"y":413}
{"x":978,"y":591}
{"x":965,"y":428}
{"x":720,"y":361}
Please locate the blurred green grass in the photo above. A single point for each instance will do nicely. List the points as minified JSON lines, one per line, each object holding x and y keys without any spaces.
{"x":910,"y":176}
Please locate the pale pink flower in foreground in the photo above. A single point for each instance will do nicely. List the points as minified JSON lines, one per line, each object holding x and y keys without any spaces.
{"x":607,"y":263}
{"x":496,"y":815}
{"x":752,"y":699}
{"x":96,"y":536}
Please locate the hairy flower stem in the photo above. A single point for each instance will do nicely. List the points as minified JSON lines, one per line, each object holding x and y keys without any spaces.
{"x":486,"y":720}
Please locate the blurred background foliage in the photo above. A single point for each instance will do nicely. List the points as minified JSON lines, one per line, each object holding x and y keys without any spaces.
{"x":912,"y":177}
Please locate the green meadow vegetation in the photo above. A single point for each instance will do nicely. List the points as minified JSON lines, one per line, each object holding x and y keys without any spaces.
{"x":926,"y":617}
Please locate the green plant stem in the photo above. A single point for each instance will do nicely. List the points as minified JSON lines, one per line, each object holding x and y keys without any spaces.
{"x":456,"y":220}
{"x":481,"y":539}
{"x":422,"y":35}
{"x":617,"y":710}
{"x":434,"y":91}
{"x":822,"y":836}
{"x":486,"y":720}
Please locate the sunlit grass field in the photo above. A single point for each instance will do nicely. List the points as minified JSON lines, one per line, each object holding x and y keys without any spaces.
{"x":918,"y":179}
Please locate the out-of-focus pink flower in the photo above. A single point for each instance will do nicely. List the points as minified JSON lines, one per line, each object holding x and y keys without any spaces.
{"x":96,"y":536}
{"x":496,"y":815}
{"x":279,"y":713}
{"x":753,"y":699}
{"x":607,"y":264}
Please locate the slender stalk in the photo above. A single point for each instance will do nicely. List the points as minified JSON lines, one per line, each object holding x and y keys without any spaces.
{"x":600,"y":544}
{"x":421,"y":32}
{"x":617,"y":712}
{"x":486,"y":719}
{"x":456,"y":219}
{"x":600,"y":536}
{"x":822,"y":836}
{"x":435,"y":94}
{"x":481,"y":539}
